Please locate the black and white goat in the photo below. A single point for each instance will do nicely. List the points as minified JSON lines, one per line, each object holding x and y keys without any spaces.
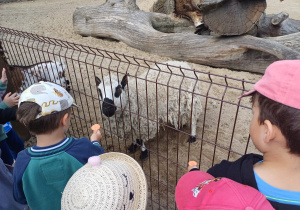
{"x":177,"y":101}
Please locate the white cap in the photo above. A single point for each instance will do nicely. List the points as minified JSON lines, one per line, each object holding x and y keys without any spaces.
{"x":51,"y":97}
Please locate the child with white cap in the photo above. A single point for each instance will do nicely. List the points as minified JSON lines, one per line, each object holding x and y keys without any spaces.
{"x":42,"y":171}
{"x":275,"y":132}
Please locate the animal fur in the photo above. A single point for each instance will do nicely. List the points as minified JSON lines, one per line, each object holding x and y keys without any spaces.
{"x":51,"y":71}
{"x":146,"y":99}
{"x":24,"y":76}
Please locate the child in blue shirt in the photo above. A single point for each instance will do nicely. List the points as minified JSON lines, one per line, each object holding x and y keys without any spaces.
{"x":42,"y":171}
{"x":275,"y":132}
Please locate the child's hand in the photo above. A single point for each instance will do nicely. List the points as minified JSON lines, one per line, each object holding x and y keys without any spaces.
{"x":11,"y":99}
{"x":4,"y":77}
{"x":96,"y":136}
{"x":192,"y":164}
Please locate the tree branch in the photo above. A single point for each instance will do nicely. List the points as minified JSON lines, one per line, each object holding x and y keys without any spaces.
{"x":137,"y":29}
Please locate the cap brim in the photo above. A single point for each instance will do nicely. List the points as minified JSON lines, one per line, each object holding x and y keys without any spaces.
{"x":185,"y":186}
{"x":75,"y":105}
{"x":247,"y":94}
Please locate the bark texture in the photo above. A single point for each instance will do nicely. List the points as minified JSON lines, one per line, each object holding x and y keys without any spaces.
{"x":169,"y":36}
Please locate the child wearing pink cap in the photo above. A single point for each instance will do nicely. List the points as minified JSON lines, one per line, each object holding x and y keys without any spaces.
{"x":200,"y":190}
{"x":275,"y":132}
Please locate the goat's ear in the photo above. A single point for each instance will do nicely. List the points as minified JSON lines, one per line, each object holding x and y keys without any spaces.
{"x":124,"y":81}
{"x":118,"y":91}
{"x":98,"y":81}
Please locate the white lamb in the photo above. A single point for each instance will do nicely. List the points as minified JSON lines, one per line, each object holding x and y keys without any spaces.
{"x":52,"y":71}
{"x":24,"y":76}
{"x":138,"y":106}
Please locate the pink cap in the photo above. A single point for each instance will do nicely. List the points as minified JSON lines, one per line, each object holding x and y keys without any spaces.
{"x":281,"y":83}
{"x":200,"y":190}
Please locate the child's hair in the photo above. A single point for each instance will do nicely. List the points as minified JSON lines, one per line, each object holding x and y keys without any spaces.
{"x":286,"y":118}
{"x":27,"y":113}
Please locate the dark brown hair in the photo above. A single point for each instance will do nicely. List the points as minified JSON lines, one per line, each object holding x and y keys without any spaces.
{"x":27,"y":113}
{"x":286,"y":118}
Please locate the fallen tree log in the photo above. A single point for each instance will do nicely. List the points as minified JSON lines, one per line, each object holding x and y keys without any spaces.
{"x":119,"y":20}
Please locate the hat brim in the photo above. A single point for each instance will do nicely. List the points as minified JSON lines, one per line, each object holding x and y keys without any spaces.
{"x":247,"y":94}
{"x":140,"y":198}
{"x":83,"y":188}
{"x":75,"y":105}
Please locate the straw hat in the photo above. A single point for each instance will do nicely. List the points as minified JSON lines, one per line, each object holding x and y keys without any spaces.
{"x":109,"y":181}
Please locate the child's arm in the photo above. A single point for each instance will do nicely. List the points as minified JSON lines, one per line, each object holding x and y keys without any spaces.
{"x":10,"y":100}
{"x":7,"y":115}
{"x":21,"y":165}
{"x":192,"y":166}
{"x":4,"y":76}
{"x":3,"y":82}
{"x":96,"y":136}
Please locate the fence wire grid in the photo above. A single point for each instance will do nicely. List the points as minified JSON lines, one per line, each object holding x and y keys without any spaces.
{"x":162,"y":104}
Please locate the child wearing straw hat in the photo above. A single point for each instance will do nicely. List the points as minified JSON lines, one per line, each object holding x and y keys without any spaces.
{"x":109,"y":181}
{"x":275,"y":132}
{"x":42,"y":171}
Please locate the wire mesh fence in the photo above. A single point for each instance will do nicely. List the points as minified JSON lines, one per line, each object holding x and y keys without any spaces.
{"x":176,"y":113}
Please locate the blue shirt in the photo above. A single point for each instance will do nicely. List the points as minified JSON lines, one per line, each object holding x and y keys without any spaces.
{"x":277,"y":195}
{"x":7,"y":127}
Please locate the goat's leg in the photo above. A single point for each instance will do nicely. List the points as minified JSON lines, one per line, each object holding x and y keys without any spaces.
{"x":192,"y":137}
{"x":68,"y":88}
{"x":133,"y":146}
{"x":144,"y":153}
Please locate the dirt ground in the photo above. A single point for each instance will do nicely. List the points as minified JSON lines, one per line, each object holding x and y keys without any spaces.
{"x":224,"y":124}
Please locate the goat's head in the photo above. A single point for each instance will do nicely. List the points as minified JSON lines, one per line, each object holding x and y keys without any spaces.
{"x":52,"y":71}
{"x":62,"y":74}
{"x":59,"y":73}
{"x":110,"y":93}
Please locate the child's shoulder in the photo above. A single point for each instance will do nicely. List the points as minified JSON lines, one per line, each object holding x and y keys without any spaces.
{"x":22,"y":160}
{"x":237,"y":170}
{"x":251,"y":159}
{"x":80,"y":142}
{"x":82,"y":138}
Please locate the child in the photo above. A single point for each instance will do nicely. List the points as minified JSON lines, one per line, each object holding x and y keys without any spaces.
{"x":275,"y":132}
{"x":200,"y":190}
{"x":7,"y":200}
{"x":10,"y":143}
{"x":42,"y":171}
{"x":111,"y":181}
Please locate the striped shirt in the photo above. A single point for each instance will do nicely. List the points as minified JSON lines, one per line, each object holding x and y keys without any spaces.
{"x":41,"y":173}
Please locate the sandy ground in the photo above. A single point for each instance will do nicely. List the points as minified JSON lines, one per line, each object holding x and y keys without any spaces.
{"x":54,"y":19}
